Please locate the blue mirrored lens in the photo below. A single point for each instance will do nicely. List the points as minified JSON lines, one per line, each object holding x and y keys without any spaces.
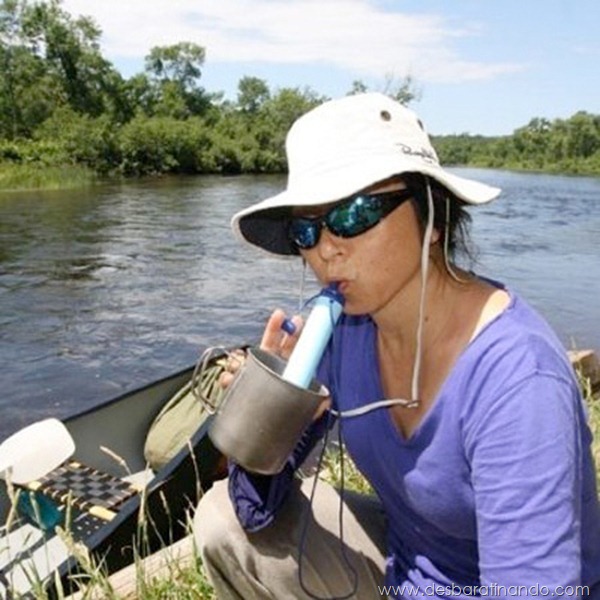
{"x":355,"y":217}
{"x":304,"y":232}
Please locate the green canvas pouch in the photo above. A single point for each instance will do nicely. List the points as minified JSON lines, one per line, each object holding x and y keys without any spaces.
{"x":181,"y":417}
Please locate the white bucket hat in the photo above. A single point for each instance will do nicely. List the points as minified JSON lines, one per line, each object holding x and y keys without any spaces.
{"x":340,"y":148}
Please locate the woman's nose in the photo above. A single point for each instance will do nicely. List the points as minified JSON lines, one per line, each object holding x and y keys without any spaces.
{"x":329,"y":245}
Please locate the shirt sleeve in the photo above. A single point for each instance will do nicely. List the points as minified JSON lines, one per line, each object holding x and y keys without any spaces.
{"x":525,"y":456}
{"x":257,"y":498}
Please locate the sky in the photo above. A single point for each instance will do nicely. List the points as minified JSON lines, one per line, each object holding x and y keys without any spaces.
{"x":480,"y":66}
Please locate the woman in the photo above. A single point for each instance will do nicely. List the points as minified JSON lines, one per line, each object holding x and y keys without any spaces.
{"x":480,"y":461}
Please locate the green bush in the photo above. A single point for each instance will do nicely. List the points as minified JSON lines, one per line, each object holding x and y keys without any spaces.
{"x":83,"y":139}
{"x":155,"y":145}
{"x":43,"y":153}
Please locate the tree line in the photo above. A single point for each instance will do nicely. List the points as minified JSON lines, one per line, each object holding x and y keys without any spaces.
{"x":560,"y":146}
{"x":63,"y":103}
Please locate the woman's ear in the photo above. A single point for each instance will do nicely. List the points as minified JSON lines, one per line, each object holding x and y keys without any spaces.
{"x":435,"y":236}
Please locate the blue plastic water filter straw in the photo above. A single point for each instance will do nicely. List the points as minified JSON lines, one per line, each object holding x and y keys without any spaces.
{"x":309,"y":349}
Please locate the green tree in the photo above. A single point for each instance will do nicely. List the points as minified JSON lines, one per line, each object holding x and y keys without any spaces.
{"x":140,"y":93}
{"x":404,"y":91}
{"x":174,"y":73}
{"x":252,"y":94}
{"x":279,"y":113}
{"x":180,"y":62}
{"x":584,"y":134}
{"x":51,"y":60}
{"x":28,"y":92}
{"x":70,"y":49}
{"x":358,"y":87}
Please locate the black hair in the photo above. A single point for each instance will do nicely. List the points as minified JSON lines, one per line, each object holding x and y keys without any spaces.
{"x":454,"y":225}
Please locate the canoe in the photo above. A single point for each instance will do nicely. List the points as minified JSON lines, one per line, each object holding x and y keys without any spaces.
{"x":126,"y":510}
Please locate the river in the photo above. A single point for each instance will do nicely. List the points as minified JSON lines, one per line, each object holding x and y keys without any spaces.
{"x":107,"y":288}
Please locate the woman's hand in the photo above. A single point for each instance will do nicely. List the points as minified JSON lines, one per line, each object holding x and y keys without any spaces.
{"x":274,"y":340}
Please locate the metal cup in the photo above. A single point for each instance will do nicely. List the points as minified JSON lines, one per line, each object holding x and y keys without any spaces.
{"x":262,"y":416}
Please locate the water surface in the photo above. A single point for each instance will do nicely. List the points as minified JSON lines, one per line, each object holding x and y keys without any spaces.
{"x":105,"y":289}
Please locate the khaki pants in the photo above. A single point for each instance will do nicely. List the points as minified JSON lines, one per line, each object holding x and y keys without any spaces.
{"x":245,"y":566}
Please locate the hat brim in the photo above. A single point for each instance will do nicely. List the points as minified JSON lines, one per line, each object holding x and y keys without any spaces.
{"x":265,"y":224}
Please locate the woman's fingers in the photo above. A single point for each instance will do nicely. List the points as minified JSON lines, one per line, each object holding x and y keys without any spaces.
{"x":225,"y":379}
{"x":289,"y":341}
{"x":272,"y":335}
{"x":234,"y":362}
{"x":275,"y":340}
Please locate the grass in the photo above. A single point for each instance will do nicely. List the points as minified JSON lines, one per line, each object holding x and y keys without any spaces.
{"x":339,"y":468}
{"x":593,"y":403}
{"x":15,"y":177}
{"x":187,"y":581}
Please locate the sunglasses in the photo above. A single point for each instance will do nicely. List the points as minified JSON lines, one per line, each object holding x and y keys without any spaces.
{"x":348,"y":219}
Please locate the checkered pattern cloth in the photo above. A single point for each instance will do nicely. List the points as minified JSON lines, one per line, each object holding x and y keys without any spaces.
{"x":84,"y":488}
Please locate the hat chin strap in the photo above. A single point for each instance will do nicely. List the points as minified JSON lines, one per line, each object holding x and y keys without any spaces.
{"x":414,"y":388}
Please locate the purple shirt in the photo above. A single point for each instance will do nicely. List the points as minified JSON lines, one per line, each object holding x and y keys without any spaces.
{"x":496,"y":487}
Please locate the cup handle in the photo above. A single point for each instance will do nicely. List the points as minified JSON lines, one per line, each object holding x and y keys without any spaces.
{"x":205,"y":378}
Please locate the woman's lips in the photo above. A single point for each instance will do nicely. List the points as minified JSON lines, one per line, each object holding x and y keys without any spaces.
{"x":342,"y":285}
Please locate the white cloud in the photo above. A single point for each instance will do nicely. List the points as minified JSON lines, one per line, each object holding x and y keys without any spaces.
{"x":354,"y":35}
